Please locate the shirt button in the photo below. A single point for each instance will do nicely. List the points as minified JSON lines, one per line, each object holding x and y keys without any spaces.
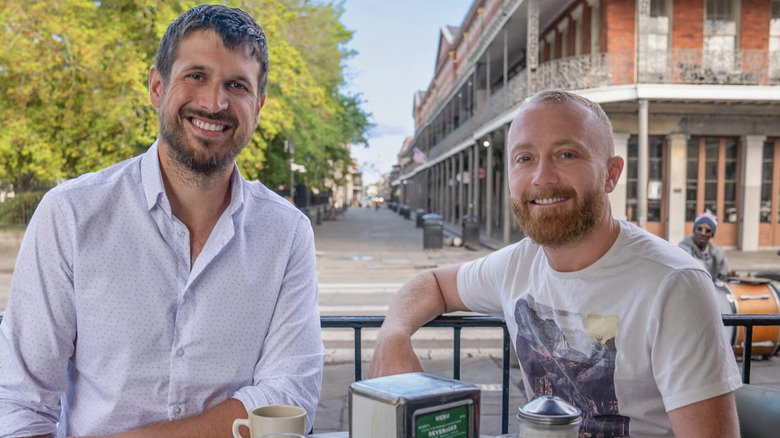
{"x":177,"y":410}
{"x":180,"y":353}
{"x":181,"y":234}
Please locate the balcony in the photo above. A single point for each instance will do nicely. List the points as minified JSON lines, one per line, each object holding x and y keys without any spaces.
{"x":702,"y":67}
{"x":678,"y":66}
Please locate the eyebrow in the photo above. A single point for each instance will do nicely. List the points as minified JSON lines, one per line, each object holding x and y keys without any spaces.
{"x":562,"y":142}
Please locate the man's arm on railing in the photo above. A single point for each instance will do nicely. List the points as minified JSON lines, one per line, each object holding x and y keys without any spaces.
{"x":422,"y":299}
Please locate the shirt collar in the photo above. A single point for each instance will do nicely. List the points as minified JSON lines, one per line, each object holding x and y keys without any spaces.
{"x":154,"y":190}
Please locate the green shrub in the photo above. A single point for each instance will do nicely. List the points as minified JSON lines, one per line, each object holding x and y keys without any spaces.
{"x":17,"y":211}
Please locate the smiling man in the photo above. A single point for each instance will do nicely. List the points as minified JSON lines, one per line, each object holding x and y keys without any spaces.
{"x":166,"y":296}
{"x":612,"y":319}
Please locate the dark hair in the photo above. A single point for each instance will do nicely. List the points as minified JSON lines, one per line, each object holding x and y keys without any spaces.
{"x":233,"y":25}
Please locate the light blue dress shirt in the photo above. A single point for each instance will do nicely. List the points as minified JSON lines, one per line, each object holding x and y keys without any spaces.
{"x":107,"y":317}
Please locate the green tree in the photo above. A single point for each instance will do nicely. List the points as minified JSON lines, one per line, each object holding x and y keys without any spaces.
{"x":75,"y":99}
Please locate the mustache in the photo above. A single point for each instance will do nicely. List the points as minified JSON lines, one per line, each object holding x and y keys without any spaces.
{"x":224,"y":117}
{"x":549,"y":192}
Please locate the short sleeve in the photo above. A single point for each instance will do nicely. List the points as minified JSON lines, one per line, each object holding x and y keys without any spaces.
{"x":690,"y":356}
{"x":479,"y":282}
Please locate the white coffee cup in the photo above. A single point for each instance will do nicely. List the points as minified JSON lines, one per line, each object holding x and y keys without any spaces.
{"x":273,"y":418}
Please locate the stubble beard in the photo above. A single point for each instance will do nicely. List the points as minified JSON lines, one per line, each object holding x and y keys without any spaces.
{"x":560,"y":226}
{"x":172,"y":132}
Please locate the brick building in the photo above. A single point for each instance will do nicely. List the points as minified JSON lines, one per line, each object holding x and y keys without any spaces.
{"x":692,"y":88}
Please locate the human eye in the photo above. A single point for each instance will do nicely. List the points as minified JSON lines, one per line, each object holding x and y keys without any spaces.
{"x":238,"y":86}
{"x":521,"y":158}
{"x":567,"y":155}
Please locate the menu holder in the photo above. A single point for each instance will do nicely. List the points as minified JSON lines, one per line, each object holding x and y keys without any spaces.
{"x":413,"y":405}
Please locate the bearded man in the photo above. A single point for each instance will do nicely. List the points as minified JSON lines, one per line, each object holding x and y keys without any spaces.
{"x":167,"y":296}
{"x":618,"y":322}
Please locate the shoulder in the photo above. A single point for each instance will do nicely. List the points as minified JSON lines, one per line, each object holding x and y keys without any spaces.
{"x":269,"y":205}
{"x":91,"y":189}
{"x":652,"y":251}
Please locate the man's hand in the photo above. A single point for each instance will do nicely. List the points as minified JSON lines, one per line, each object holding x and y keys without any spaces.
{"x":394,"y":354}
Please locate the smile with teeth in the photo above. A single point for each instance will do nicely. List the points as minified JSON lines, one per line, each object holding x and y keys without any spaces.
{"x":208,"y":126}
{"x":547,"y":201}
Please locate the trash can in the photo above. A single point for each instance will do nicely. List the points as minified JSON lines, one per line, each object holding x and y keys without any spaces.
{"x":470,"y":231}
{"x":405,"y":211}
{"x":418,"y":217}
{"x":433,"y":231}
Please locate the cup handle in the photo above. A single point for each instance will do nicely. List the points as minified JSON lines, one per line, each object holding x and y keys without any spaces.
{"x":238,"y":422}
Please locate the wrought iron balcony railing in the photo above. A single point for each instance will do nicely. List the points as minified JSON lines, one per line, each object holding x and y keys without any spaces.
{"x":711,"y":67}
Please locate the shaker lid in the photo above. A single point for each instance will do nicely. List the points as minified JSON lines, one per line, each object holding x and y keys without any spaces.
{"x":549,"y":410}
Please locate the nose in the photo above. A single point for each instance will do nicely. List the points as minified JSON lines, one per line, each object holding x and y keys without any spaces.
{"x":545,"y":172}
{"x":214,"y":98}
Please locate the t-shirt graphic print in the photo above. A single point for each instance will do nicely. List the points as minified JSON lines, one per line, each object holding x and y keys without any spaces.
{"x":572,"y":356}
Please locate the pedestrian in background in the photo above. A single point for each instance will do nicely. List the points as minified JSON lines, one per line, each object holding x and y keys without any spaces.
{"x":703,"y":249}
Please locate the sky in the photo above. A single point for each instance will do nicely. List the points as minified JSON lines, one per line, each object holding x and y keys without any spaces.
{"x":396,"y":41}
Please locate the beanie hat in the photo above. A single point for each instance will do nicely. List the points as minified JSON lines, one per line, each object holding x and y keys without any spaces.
{"x":707,"y":218}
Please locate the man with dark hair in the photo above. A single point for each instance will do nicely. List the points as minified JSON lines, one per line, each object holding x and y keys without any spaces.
{"x":618,"y":322}
{"x":166,"y":295}
{"x":701,"y":247}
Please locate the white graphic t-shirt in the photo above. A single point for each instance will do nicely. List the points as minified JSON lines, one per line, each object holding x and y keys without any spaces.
{"x":627,"y":339}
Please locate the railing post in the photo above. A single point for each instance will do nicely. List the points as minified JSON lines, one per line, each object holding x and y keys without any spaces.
{"x":747,"y":353}
{"x":358,"y":362}
{"x":456,"y":353}
{"x":505,"y":385}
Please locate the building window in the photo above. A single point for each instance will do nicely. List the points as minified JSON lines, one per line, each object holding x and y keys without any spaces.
{"x":767,"y":173}
{"x":658,"y":33}
{"x":654,"y":179}
{"x":712,"y":178}
{"x":720,"y":34}
{"x":595,"y":15}
{"x":576,"y":15}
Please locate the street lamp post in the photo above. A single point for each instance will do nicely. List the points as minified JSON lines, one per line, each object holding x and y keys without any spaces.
{"x":289,"y":147}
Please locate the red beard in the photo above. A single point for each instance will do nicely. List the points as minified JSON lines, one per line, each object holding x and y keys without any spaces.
{"x":558,"y":226}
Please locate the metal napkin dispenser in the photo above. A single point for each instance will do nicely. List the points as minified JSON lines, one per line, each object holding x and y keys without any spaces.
{"x":413,"y":405}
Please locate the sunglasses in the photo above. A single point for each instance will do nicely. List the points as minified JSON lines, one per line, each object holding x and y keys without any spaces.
{"x":704,"y":230}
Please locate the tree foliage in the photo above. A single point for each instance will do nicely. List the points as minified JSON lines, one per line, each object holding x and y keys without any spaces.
{"x":75,"y":98}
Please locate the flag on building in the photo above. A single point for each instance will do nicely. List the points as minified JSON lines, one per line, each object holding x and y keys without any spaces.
{"x":418,"y":156}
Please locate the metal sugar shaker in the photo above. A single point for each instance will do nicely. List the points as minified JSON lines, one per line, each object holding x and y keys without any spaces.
{"x":549,"y":417}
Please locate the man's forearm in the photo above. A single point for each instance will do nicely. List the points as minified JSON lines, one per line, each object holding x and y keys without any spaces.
{"x":418,"y":302}
{"x":215,"y":422}
{"x":422,"y":299}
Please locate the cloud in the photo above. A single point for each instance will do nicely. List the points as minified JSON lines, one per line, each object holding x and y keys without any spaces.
{"x":381,"y":130}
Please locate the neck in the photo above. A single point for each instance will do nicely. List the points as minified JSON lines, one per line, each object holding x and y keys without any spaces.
{"x":196,"y":200}
{"x":587,"y":250}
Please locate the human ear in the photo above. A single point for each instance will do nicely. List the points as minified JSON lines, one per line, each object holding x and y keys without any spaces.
{"x":614,"y":169}
{"x":155,"y":87}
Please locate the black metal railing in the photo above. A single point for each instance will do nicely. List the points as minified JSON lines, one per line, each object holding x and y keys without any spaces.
{"x":749,"y":321}
{"x":358,"y":323}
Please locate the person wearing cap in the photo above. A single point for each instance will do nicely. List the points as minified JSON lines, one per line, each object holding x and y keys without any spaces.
{"x":701,"y":247}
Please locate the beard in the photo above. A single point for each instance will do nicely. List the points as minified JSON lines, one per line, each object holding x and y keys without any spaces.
{"x":221,"y":156}
{"x":559,"y":226}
